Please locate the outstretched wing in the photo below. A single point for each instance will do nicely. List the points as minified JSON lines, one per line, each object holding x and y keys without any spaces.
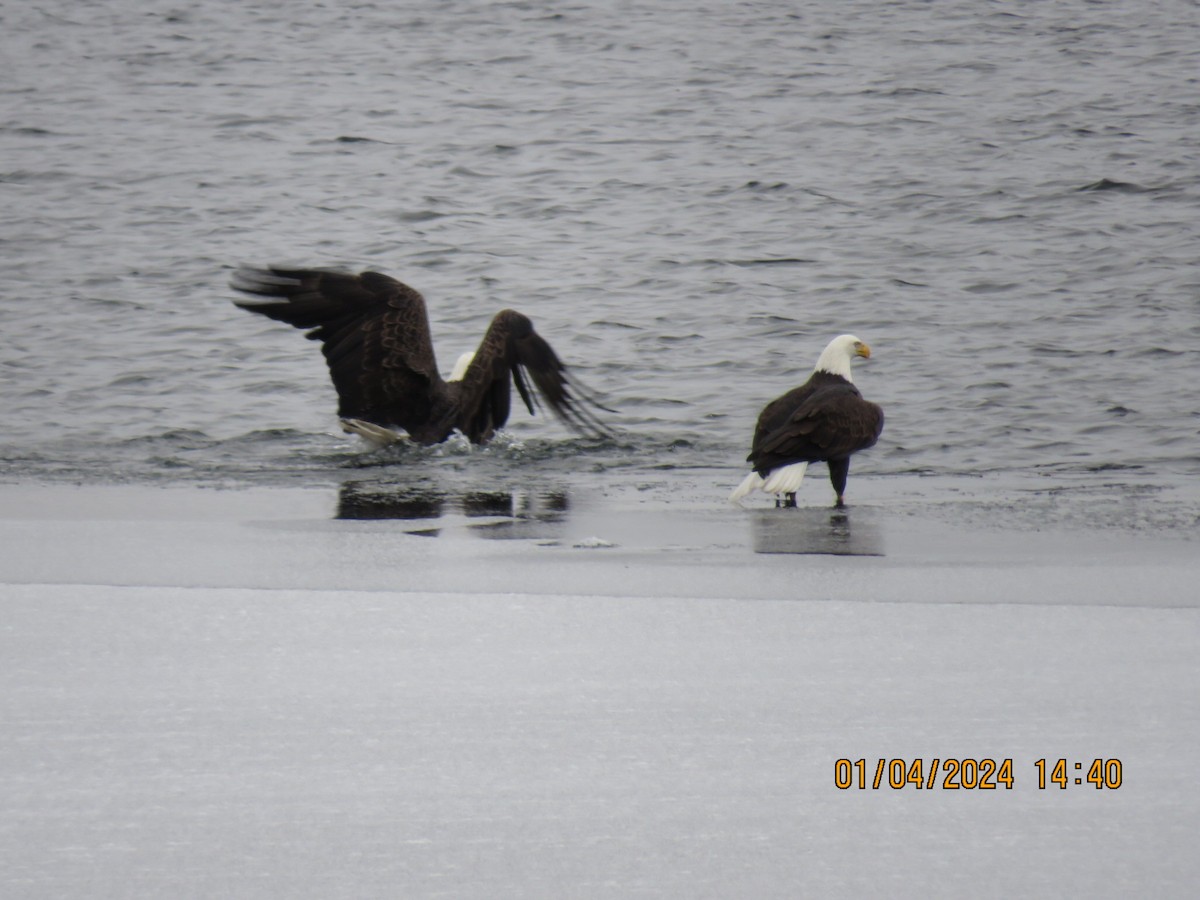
{"x":511,"y":351}
{"x":813,"y":423}
{"x":373,"y":330}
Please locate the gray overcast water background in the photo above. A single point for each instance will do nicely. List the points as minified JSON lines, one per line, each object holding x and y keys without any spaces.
{"x":689,"y":200}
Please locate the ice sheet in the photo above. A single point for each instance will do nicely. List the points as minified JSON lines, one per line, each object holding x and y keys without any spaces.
{"x":234,"y":694}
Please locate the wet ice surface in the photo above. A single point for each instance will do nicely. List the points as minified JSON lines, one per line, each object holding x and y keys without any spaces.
{"x":240,"y":693}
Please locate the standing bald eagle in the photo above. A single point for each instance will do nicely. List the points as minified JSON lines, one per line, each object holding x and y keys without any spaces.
{"x":826,"y":419}
{"x":374,"y":333}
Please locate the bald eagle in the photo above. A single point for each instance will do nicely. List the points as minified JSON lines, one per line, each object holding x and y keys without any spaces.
{"x":374,"y":333}
{"x":826,"y":419}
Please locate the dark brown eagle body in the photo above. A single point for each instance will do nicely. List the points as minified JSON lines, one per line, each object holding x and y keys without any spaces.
{"x":374,"y":333}
{"x":826,"y":419}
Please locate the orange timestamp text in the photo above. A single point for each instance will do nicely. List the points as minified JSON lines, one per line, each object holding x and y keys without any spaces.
{"x":953,"y":774}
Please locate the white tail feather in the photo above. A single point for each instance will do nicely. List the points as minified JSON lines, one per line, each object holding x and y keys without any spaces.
{"x":785,"y":479}
{"x":460,"y":367}
{"x":750,"y":483}
{"x":375,"y":435}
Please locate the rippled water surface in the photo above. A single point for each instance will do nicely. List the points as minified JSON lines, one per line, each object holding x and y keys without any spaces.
{"x":1002,"y":200}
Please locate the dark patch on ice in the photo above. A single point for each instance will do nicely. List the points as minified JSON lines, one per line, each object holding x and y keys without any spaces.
{"x":816,"y":531}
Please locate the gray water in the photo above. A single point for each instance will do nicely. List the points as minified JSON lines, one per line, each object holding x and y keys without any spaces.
{"x":1003,"y":200}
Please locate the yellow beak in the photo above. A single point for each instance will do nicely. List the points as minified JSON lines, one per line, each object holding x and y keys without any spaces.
{"x":862,"y":350}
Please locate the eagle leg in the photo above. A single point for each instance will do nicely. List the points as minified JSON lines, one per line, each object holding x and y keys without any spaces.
{"x":839,"y":469}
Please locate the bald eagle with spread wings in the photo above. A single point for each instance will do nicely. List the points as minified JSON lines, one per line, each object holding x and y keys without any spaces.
{"x":826,"y":419}
{"x":374,"y":333}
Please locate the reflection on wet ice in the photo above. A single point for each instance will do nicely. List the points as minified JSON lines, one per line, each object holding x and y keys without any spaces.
{"x":369,"y":500}
{"x":511,"y":514}
{"x":817,"y":531}
{"x":541,"y":515}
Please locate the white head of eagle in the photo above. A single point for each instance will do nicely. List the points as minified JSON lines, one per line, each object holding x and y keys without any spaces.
{"x":839,"y":353}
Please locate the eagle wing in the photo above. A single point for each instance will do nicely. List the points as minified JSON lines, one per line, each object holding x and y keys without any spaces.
{"x":814,"y":423}
{"x":513,"y":352}
{"x":374,"y":333}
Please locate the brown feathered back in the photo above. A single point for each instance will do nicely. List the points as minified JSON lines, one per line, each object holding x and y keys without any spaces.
{"x":825,"y":418}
